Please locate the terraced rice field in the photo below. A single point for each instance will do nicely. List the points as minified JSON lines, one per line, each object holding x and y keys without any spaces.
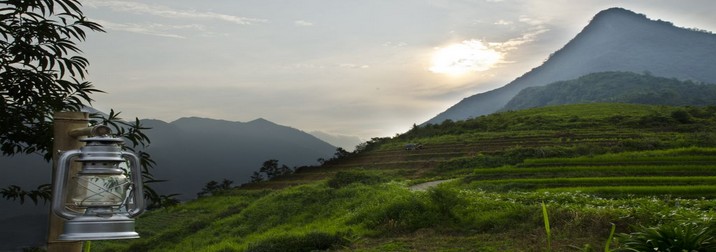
{"x":686,"y":172}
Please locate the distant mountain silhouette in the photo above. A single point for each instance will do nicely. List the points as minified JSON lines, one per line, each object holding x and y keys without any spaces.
{"x":23,"y":225}
{"x":623,"y":87}
{"x":615,"y":40}
{"x":192,"y":151}
{"x":189,"y":153}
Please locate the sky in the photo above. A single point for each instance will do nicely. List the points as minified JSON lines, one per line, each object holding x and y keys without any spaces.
{"x":368,"y":68}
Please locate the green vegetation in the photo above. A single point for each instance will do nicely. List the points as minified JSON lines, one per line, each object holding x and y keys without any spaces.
{"x":672,"y":237}
{"x":623,"y":87}
{"x":579,"y":172}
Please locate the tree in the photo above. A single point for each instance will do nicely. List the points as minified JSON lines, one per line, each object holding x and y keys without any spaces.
{"x":272,"y":169}
{"x":340,"y":153}
{"x":41,"y":71}
{"x":213,"y":187}
{"x":257,"y":177}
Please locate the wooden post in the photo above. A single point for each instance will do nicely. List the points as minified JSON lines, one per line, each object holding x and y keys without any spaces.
{"x":64,"y":123}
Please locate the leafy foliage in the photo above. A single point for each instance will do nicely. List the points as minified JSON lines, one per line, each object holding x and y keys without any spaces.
{"x":14,"y":192}
{"x":40,"y":70}
{"x":689,"y":236}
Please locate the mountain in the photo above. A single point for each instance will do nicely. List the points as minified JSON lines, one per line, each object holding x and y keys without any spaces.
{"x":615,"y":40}
{"x":193,"y":151}
{"x":189,"y":153}
{"x":622,"y":87}
{"x":23,"y":225}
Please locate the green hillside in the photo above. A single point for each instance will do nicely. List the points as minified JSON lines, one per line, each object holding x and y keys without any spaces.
{"x":592,"y":165}
{"x":623,"y":87}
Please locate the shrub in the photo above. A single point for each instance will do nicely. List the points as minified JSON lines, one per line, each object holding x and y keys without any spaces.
{"x":688,"y":236}
{"x":444,"y":200}
{"x":655,"y":120}
{"x":405,"y":212}
{"x":682,"y":116}
{"x":345,"y":178}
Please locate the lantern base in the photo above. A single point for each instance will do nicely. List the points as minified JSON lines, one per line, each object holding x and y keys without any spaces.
{"x":89,"y":228}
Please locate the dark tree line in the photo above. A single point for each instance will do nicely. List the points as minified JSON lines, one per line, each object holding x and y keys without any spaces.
{"x":213,"y":187}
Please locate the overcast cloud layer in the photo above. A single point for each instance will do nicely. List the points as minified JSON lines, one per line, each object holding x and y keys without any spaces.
{"x":359,"y":68}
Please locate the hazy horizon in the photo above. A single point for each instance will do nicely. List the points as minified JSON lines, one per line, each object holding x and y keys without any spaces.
{"x":366,"y":69}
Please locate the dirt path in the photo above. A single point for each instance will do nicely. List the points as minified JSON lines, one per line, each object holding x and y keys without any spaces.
{"x":428,"y":185}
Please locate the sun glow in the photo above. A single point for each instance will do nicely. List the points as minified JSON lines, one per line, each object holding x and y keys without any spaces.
{"x":465,"y":57}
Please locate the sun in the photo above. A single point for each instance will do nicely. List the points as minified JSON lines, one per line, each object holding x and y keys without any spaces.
{"x":465,"y":57}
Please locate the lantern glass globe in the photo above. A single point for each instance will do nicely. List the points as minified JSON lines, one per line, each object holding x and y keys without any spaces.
{"x":108,"y":190}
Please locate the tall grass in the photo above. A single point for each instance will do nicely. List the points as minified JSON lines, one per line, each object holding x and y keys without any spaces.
{"x":608,"y":245}
{"x":547,"y":228}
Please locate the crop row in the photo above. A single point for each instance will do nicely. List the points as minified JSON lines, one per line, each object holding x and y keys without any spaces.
{"x":535,"y":183}
{"x":687,"y":191}
{"x":586,"y":161}
{"x":592,"y":171}
{"x":691,"y":155}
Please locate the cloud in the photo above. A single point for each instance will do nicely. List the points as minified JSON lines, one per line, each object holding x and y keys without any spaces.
{"x":514,"y":43}
{"x":160,"y":30}
{"x":464,"y":57}
{"x":536,"y":27}
{"x":395,"y":44}
{"x":531,"y":21}
{"x":302,"y":23}
{"x":163,"y":11}
{"x":315,"y":66}
{"x":503,"y":22}
{"x":355,"y":66}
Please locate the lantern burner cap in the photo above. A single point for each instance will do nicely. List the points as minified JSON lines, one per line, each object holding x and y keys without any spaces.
{"x":102,"y":140}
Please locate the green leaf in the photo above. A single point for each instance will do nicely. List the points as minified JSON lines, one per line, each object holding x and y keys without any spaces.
{"x":546,"y":226}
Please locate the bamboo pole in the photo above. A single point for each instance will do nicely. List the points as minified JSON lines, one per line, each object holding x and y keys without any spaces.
{"x":64,"y":124}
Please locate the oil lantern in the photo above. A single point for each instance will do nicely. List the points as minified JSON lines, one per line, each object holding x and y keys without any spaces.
{"x":102,"y":199}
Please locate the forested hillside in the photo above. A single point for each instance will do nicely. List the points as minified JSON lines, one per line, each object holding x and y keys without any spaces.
{"x":625,"y":87}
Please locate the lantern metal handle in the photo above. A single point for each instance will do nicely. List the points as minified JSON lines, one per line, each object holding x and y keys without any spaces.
{"x":62,"y":174}
{"x":63,"y":164}
{"x":137,"y":191}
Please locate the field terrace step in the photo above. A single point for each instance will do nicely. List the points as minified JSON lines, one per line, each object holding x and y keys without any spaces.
{"x":430,"y":156}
